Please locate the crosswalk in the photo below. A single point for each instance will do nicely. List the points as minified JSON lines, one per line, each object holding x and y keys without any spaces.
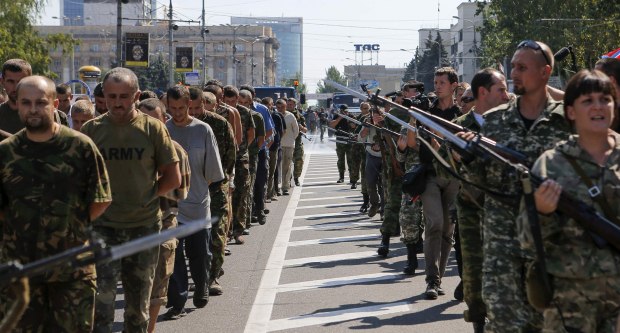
{"x":323,"y":271}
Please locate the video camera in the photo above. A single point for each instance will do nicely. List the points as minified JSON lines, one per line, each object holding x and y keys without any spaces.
{"x":421,"y":102}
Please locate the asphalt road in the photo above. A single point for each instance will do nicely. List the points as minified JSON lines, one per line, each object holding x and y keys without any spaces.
{"x":313,"y":268}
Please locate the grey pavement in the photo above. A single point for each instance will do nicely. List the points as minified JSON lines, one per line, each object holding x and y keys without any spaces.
{"x":313,"y":267}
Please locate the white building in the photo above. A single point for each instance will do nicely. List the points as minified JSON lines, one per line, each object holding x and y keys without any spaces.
{"x":465,"y":41}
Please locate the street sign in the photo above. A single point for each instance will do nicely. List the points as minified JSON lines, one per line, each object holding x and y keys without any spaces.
{"x":192,"y":78}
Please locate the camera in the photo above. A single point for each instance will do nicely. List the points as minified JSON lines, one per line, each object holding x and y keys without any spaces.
{"x":421,"y":102}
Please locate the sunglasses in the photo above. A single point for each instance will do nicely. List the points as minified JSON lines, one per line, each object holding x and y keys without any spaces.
{"x":467,"y":99}
{"x":530,"y":44}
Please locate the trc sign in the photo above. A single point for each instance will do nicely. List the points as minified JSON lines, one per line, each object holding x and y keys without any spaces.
{"x":366,"y":47}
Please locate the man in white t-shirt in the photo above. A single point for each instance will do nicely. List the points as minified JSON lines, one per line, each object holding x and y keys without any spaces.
{"x":287,"y":143}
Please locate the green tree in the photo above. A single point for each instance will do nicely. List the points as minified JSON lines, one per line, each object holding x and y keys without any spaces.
{"x":429,"y":61}
{"x":590,"y":26}
{"x":410,"y":71}
{"x":20,"y":40}
{"x":155,"y":77}
{"x":333,"y":74}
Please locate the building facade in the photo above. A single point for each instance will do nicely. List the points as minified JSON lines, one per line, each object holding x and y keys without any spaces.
{"x":465,"y":48}
{"x":250,"y":59}
{"x":289,"y":32}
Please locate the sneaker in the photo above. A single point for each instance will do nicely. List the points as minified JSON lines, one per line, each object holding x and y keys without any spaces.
{"x":246,"y":231}
{"x":227,"y":251}
{"x":274,"y":199}
{"x":440,"y":290}
{"x":254,"y":219}
{"x":431,"y":291}
{"x":268,"y":200}
{"x":215,"y":289}
{"x":340,"y":180}
{"x":353,"y":186}
{"x":372,"y":211}
{"x":285,"y":192}
{"x":266,"y":211}
{"x":239,"y":239}
{"x":297,"y":182}
{"x":201,"y":297}
{"x":278,"y":193}
{"x":173,"y":314}
{"x":262,"y":220}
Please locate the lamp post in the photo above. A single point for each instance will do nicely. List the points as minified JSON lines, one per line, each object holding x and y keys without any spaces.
{"x":253,"y":64}
{"x":415,"y":63}
{"x":234,"y":49}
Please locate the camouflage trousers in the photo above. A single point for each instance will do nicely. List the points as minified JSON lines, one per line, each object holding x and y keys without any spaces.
{"x":252,"y":179}
{"x":358,"y":155}
{"x":393,"y":189}
{"x":344,"y":154}
{"x":411,"y":220}
{"x":470,"y":233}
{"x":136,"y":272}
{"x":503,"y":292}
{"x":165,"y":266}
{"x":275,"y":156}
{"x":298,"y":159}
{"x":219,"y":231}
{"x":372,"y":177}
{"x":64,"y":307}
{"x":363,"y":174}
{"x":241,"y":194}
{"x":587,"y":306}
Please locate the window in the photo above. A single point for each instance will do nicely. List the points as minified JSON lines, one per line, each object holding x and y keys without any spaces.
{"x":219,"y":47}
{"x":200,"y":47}
{"x":77,"y":48}
{"x":96,"y":62}
{"x":160,"y":48}
{"x":221,"y":76}
{"x":461,"y":35}
{"x":221,"y":63}
{"x":240,"y":47}
{"x":57,"y":63}
{"x":76,"y":63}
{"x":94,"y":47}
{"x":460,"y":56}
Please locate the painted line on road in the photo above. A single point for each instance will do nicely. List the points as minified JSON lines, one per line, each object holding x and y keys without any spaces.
{"x":311,"y":216}
{"x":331,"y":258}
{"x":329,"y":198}
{"x":260,"y":314}
{"x":334,"y":226}
{"x":324,"y":186}
{"x":339,"y":281}
{"x":346,"y":204}
{"x":332,"y":240}
{"x":322,"y":318}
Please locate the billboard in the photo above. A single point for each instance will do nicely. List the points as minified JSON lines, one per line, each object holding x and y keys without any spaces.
{"x":136,"y":49}
{"x":184,"y":59}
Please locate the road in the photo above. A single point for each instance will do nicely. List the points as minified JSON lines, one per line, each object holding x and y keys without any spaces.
{"x":313,"y":267}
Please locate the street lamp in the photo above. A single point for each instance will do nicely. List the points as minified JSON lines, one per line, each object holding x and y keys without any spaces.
{"x":234,"y":48}
{"x":252,"y":42}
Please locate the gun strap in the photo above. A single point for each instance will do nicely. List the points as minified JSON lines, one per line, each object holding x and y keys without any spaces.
{"x":593,"y":190}
{"x":454,"y":174}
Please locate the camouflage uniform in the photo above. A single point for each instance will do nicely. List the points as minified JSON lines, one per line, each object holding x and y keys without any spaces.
{"x":503,"y":264}
{"x":46,"y":191}
{"x":585,"y":277}
{"x":298,"y":153}
{"x":410,"y":216}
{"x":253,"y":152}
{"x":218,"y":192}
{"x":358,"y":155}
{"x":241,"y":193}
{"x":469,"y":205}
{"x":392,"y":182}
{"x":169,"y":208}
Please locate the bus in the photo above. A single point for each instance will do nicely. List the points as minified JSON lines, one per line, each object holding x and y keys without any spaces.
{"x":352,"y":102}
{"x":276,"y":92}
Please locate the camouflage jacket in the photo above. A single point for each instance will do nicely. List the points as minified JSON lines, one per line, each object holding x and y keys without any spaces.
{"x":225,"y":137}
{"x":259,"y":122}
{"x":247,"y":122}
{"x":301,"y":121}
{"x":467,"y":192}
{"x":46,"y":189}
{"x":569,"y":249}
{"x":505,"y":125}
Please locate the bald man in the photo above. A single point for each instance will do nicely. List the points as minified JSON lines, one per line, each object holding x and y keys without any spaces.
{"x":67,"y":187}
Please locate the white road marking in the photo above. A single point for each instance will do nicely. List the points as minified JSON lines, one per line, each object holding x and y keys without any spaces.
{"x":332,"y":240}
{"x":311,"y":216}
{"x":339,"y":281}
{"x":335,"y":226}
{"x":331,"y":258}
{"x":322,"y":318}
{"x":329,"y":198}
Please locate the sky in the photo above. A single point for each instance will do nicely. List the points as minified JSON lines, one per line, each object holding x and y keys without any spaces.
{"x":331,"y":27}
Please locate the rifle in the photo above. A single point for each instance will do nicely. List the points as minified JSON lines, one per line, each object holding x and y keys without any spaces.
{"x":95,"y":252}
{"x":366,"y":124}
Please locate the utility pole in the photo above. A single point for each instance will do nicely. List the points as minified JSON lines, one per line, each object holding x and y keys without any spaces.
{"x":170,"y":51}
{"x":119,"y":33}
{"x":204,"y":32}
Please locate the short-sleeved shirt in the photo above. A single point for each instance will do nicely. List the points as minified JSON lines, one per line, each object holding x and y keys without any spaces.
{"x":133,"y":153}
{"x":269,"y":124}
{"x":204,"y":159}
{"x":9,"y":119}
{"x":260,"y":130}
{"x":46,"y":191}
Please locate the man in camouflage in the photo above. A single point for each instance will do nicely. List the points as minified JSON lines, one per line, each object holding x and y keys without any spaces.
{"x":531,"y":124}
{"x":150,"y":162}
{"x":242,"y":167}
{"x":168,"y":204}
{"x":343,"y":150}
{"x":298,"y":153}
{"x":358,"y":155}
{"x":488,"y":87}
{"x":54,"y":182}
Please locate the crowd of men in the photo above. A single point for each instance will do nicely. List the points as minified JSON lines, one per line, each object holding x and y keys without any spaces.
{"x":136,"y":163}
{"x":487,"y":231}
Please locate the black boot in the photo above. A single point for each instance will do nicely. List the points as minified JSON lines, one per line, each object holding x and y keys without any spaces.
{"x":364,"y":207}
{"x":412,"y":260}
{"x":419,"y":246}
{"x":458,"y":292}
{"x":384,"y":247}
{"x":479,"y":326}
{"x":341,"y":179}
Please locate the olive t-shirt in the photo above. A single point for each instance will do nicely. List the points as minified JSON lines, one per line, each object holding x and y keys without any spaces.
{"x":133,"y":152}
{"x":9,"y":119}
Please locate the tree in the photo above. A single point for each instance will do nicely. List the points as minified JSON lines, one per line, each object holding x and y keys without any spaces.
{"x":155,"y":77}
{"x":333,"y":74}
{"x":20,"y":40}
{"x":428,"y":63}
{"x":590,"y":26}
{"x":411,"y":70}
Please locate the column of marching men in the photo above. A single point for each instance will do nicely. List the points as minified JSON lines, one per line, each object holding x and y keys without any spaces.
{"x":142,"y":163}
{"x":135,"y":164}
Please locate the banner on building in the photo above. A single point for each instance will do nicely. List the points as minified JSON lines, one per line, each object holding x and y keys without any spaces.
{"x":184,"y":59}
{"x":192,"y":78}
{"x":136,"y":49}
